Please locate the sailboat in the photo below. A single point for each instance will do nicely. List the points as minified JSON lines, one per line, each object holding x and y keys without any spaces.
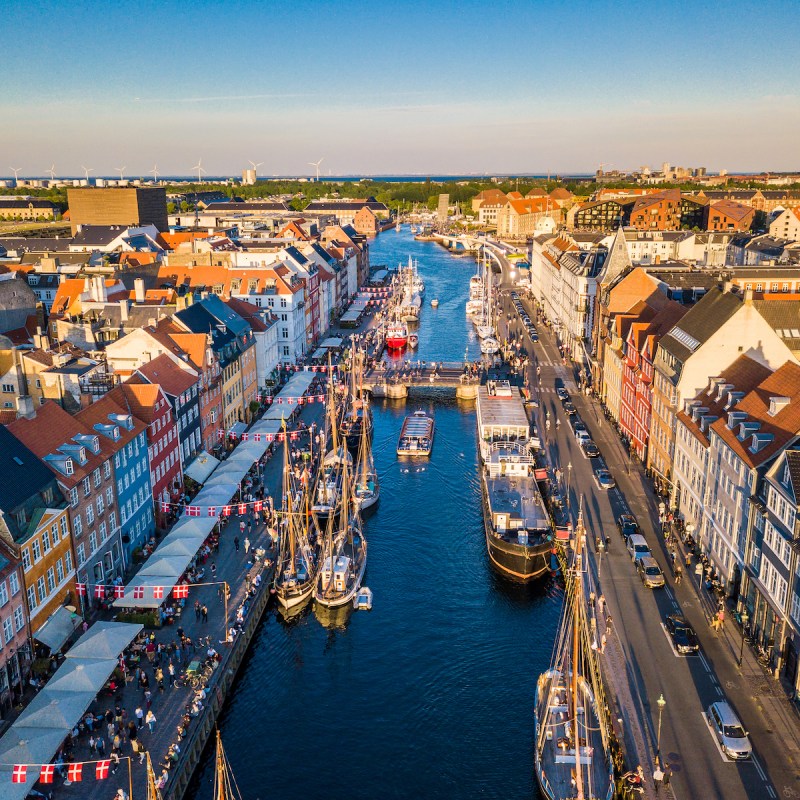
{"x":367,"y":487}
{"x":296,"y":566}
{"x":484,"y":327}
{"x":225,"y":786}
{"x":572,"y":746}
{"x":358,"y":414}
{"x":345,"y":554}
{"x":329,"y":492}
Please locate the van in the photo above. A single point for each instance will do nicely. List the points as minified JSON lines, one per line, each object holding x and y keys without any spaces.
{"x":637,"y":547}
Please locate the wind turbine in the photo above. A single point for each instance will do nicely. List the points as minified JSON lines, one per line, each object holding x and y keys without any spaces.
{"x":255,"y":166}
{"x":16,"y":171}
{"x":121,"y":171}
{"x":154,"y":173}
{"x":51,"y":172}
{"x":86,"y":171}
{"x":199,"y":167}
{"x":316,"y":165}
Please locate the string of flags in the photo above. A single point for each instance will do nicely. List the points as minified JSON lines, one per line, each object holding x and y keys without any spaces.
{"x":258,"y":437}
{"x":45,"y":773}
{"x":291,"y":401}
{"x":217,"y":511}
{"x":311,"y":368}
{"x":180,"y":591}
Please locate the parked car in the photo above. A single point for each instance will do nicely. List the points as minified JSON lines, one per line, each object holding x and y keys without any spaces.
{"x":683,"y":636}
{"x":627,"y":525}
{"x":578,"y":426}
{"x":589,"y":448}
{"x":569,"y":408}
{"x":604,"y":479}
{"x":638,"y":547}
{"x":729,"y":731}
{"x":650,"y":572}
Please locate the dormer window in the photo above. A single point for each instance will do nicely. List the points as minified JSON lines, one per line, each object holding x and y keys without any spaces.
{"x":69,"y":467}
{"x":786,"y":480}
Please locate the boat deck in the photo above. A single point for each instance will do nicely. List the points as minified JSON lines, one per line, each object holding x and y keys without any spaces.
{"x":520,"y":499}
{"x":416,"y":436}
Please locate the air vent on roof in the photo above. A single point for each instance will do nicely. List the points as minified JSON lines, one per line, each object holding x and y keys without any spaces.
{"x":777,"y":404}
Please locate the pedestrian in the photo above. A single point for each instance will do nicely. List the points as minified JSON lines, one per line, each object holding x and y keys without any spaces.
{"x":148,"y":698}
{"x":92,"y":745}
{"x":658,"y":776}
{"x":667,"y":775}
{"x":246,"y":544}
{"x":114,"y":763}
{"x":678,"y":575}
{"x":171,"y":670}
{"x":609,"y":623}
{"x":721,"y":619}
{"x":601,"y":603}
{"x":603,"y":641}
{"x":236,"y":543}
{"x":150,"y":719}
{"x":591,"y":599}
{"x":688,"y":559}
{"x":214,"y":571}
{"x":100,"y":745}
{"x":204,"y":611}
{"x":197,"y":609}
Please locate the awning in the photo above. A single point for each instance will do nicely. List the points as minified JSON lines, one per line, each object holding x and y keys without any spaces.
{"x":332,"y":342}
{"x":58,"y":628}
{"x":350,"y":316}
{"x":201,"y":467}
{"x":319,"y":353}
{"x":42,"y":727}
{"x":238,"y":428}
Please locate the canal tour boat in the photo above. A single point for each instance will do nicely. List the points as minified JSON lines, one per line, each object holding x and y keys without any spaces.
{"x":298,"y":548}
{"x":344,"y":553}
{"x":416,"y":435}
{"x":572,"y":752}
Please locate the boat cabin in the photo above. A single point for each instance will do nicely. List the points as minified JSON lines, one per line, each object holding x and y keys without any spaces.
{"x":336,"y":577}
{"x":501,"y":414}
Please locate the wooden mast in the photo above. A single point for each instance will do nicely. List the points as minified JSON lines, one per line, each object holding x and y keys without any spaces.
{"x":289,"y":504}
{"x":153,"y":792}
{"x":577,"y":588}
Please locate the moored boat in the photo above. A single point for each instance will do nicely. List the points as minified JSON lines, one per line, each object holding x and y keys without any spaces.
{"x":416,"y":435}
{"x":413,"y":341}
{"x":434,"y":303}
{"x":396,"y":335}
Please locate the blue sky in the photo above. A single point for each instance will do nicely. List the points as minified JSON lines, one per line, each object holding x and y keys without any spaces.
{"x":406,"y":87}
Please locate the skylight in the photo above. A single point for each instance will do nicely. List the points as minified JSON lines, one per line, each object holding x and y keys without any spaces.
{"x":685,"y":339}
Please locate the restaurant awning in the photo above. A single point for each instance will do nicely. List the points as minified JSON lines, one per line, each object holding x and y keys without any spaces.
{"x":201,"y":467}
{"x":58,"y":628}
{"x":332,"y":342}
{"x":42,"y":727}
{"x":237,"y":429}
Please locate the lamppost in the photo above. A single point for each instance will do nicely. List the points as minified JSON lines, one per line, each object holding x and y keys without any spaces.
{"x":661,"y":702}
{"x":569,"y":483}
{"x":745,"y":619}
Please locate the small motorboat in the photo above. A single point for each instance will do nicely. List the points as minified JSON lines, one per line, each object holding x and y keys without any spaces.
{"x":434,"y":303}
{"x":363,"y":600}
{"x":413,"y":341}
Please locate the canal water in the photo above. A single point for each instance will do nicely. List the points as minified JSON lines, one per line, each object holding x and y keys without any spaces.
{"x":430,"y":694}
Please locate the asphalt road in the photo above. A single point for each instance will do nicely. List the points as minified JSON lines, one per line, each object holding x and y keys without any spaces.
{"x":688,"y":684}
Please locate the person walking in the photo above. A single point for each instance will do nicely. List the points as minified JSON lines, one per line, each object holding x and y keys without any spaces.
{"x":204,"y":611}
{"x":151,"y":720}
{"x":139,"y":717}
{"x":236,"y":543}
{"x":688,"y":559}
{"x":601,"y":603}
{"x":658,"y":777}
{"x":609,"y":623}
{"x":678,"y":575}
{"x":100,"y":745}
{"x":667,"y":776}
{"x":197,"y":609}
{"x":246,"y":544}
{"x":171,"y":671}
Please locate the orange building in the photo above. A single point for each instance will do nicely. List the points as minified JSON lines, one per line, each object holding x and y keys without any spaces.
{"x":728,"y":215}
{"x":660,"y":211}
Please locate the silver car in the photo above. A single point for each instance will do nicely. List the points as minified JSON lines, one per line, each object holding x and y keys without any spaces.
{"x":729,"y":731}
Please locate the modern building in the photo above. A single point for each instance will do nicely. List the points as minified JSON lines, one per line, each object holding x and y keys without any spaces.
{"x":131,"y":206}
{"x":728,"y":215}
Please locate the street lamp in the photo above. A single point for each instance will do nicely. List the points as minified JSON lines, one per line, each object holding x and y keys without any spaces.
{"x":745,"y":618}
{"x":569,"y":483}
{"x":661,"y":702}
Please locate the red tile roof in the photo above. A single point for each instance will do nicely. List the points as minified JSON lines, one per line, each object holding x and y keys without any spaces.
{"x":164,"y":372}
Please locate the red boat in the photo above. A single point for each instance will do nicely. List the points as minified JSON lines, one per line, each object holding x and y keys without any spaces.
{"x":396,"y":335}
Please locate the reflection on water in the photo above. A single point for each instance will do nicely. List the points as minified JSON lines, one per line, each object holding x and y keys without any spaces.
{"x":430,"y":694}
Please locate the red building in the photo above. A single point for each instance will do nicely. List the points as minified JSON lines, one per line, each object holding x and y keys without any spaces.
{"x":149,"y":404}
{"x":636,"y":395}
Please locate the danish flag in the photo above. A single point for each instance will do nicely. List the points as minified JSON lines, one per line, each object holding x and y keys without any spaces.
{"x":258,"y":505}
{"x":158,"y":592}
{"x":119,"y":592}
{"x":180,"y":591}
{"x":100,"y":591}
{"x":165,"y":507}
{"x":226,"y":511}
{"x":138,"y":592}
{"x":211,"y":511}
{"x":101,"y":770}
{"x":242,"y":508}
{"x":46,"y":773}
{"x":75,"y":772}
{"x":80,"y":588}
{"x":20,"y":773}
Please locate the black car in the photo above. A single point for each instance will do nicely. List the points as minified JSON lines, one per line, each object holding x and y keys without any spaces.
{"x":590,"y":449}
{"x":569,"y":408}
{"x":627,"y":525}
{"x":682,"y":635}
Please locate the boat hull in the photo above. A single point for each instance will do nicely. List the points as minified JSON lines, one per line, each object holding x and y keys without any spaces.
{"x":343,"y":598}
{"x":295,"y":595}
{"x":367,"y":504}
{"x":396,"y":342}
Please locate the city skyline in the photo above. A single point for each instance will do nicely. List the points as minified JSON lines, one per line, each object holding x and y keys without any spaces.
{"x":442,"y":88}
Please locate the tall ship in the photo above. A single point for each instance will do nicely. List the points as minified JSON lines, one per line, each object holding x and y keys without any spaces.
{"x":298,"y":548}
{"x":367,"y":486}
{"x":412,"y":289}
{"x":357,"y":414}
{"x":344,"y":553}
{"x":572,"y":753}
{"x":518,"y":532}
{"x":329,"y":488}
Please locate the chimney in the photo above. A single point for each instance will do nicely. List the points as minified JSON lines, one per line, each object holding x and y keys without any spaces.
{"x":25,"y":407}
{"x":138,"y":287}
{"x":102,"y":289}
{"x":748,"y":297}
{"x":87,"y":284}
{"x":40,"y":339}
{"x":123,"y":310}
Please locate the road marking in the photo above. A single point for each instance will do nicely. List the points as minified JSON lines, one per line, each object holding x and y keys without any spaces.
{"x":759,"y":769}
{"x":706,"y":667}
{"x":669,"y":593}
{"x":672,"y":645}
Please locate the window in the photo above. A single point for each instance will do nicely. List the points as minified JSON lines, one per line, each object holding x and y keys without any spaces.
{"x":19,"y":618}
{"x":109,"y":497}
{"x":54,"y":533}
{"x":26,"y":559}
{"x":68,"y":560}
{"x":8,"y":630}
{"x":87,"y":487}
{"x":112,"y":521}
{"x":60,"y":570}
{"x":116,"y":460}
{"x":46,"y":541}
{"x":89,"y":515}
{"x":32,"y":598}
{"x":106,"y":469}
{"x":73,"y":496}
{"x":37,"y":551}
{"x":77,"y":525}
{"x":51,"y":580}
{"x":93,"y":541}
{"x":41,"y":590}
{"x":13,"y":583}
{"x":8,"y":388}
{"x":80,"y":553}
{"x":103,"y":531}
{"x":101,"y":507}
{"x":97,"y":478}
{"x":3,"y":593}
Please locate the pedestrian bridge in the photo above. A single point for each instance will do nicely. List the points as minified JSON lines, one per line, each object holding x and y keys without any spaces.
{"x":395,"y":381}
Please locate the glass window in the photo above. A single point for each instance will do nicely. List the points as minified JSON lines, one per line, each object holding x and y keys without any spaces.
{"x":46,"y":541}
{"x":51,"y":580}
{"x":3,"y":593}
{"x":19,"y":618}
{"x":8,"y":629}
{"x":60,"y":570}
{"x":32,"y":604}
{"x":87,"y":487}
{"x":100,"y":505}
{"x":13,"y":583}
{"x":77,"y":525}
{"x":26,"y":559}
{"x":89,"y":515}
{"x":68,"y":560}
{"x":80,"y":552}
{"x":107,"y":469}
{"x":109,"y":497}
{"x":73,"y":496}
{"x":37,"y":551}
{"x":41,"y":590}
{"x":97,"y":478}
